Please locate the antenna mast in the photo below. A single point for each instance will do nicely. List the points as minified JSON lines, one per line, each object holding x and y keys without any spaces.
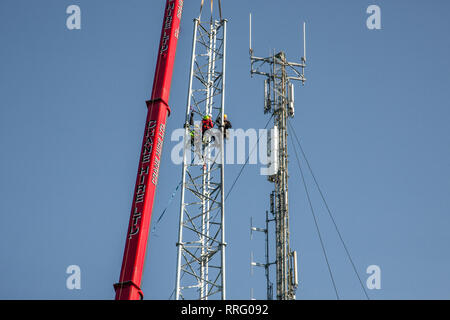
{"x":279,"y":103}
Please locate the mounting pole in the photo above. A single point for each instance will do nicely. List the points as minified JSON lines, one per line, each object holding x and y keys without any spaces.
{"x":250,"y":35}
{"x":267,"y":263}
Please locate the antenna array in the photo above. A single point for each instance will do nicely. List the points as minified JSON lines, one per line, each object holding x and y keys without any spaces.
{"x":279,"y":75}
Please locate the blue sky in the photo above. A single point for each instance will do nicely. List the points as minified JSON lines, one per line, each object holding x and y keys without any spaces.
{"x":373,"y":119}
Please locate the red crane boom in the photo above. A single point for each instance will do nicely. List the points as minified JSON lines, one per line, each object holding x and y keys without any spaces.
{"x":128,"y":287}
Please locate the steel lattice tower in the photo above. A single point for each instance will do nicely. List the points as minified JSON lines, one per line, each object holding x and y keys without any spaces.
{"x":201,"y":239}
{"x":279,"y":103}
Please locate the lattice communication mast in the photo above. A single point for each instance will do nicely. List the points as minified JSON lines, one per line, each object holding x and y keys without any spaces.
{"x":201,"y":239}
{"x":279,"y":103}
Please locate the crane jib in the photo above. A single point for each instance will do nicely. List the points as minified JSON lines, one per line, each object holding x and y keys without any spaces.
{"x":128,"y":287}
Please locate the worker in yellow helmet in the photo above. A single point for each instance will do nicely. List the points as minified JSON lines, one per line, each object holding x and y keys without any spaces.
{"x":227,"y":125}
